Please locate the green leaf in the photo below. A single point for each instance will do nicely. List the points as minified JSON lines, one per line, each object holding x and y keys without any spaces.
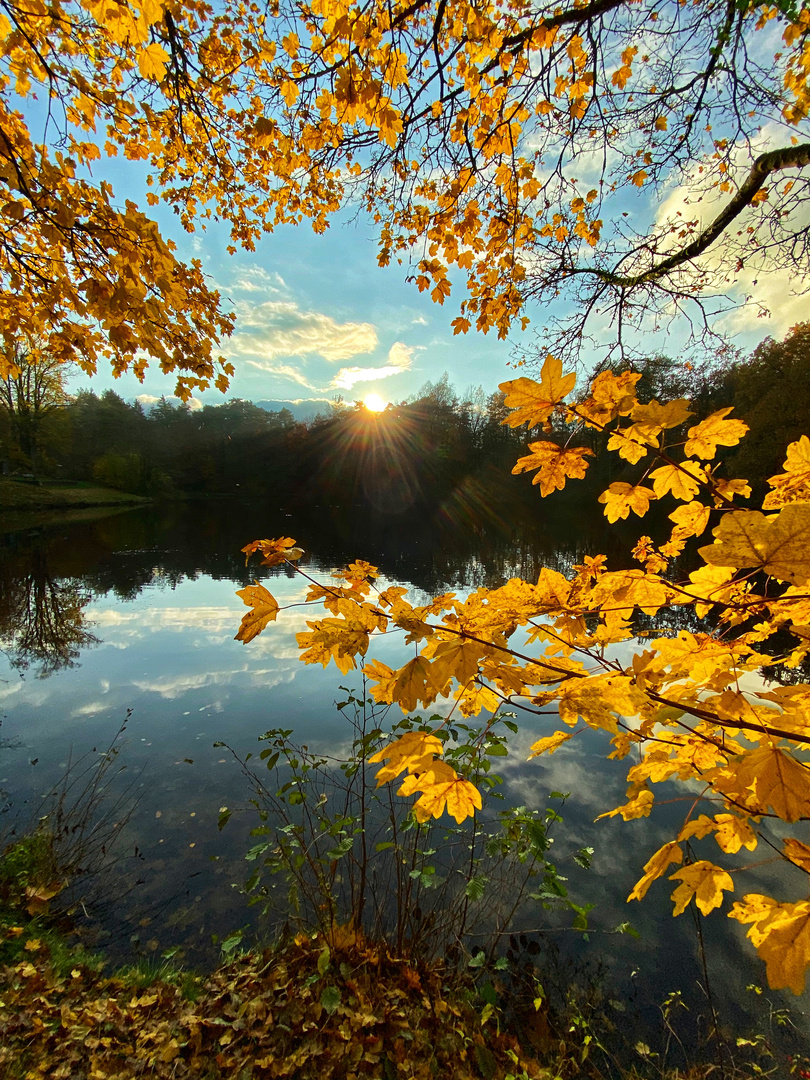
{"x":583,"y":857}
{"x":323,"y":960}
{"x":330,"y":999}
{"x":478,"y":960}
{"x":385,"y":845}
{"x":626,"y":928}
{"x":231,"y":942}
{"x":340,"y":849}
{"x":474,"y":888}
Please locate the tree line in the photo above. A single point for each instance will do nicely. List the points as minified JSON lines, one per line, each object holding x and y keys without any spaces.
{"x":439,"y":448}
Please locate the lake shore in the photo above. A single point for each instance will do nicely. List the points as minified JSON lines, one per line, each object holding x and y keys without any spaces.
{"x":20,"y":496}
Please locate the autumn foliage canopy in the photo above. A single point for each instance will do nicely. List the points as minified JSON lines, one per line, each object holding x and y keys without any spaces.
{"x":688,"y":707}
{"x":485,"y":140}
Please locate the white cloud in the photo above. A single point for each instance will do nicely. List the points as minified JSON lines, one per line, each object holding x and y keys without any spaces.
{"x":148,"y":400}
{"x":284,"y":370}
{"x":400,"y":357}
{"x":279,"y":328}
{"x":763,"y":291}
{"x":253,"y":279}
{"x":348,"y":376}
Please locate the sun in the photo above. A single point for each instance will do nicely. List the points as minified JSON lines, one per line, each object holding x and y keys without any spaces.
{"x":374,"y":403}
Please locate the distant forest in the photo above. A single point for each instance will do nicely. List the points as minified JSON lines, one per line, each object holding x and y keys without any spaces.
{"x":416,"y":453}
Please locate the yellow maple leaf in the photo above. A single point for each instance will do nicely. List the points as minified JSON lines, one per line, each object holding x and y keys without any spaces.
{"x":730,"y":831}
{"x":554,"y":464}
{"x":621,"y":498}
{"x":704,"y":438}
{"x":734,"y":832}
{"x":264,"y":610}
{"x":334,"y":639}
{"x":456,"y":659}
{"x":532,"y":402}
{"x":779,"y":545}
{"x":473,"y":698}
{"x":632,"y":442}
{"x":381,"y":678}
{"x":151,"y":11}
{"x":551,"y":743}
{"x":443,"y":789}
{"x":682,"y":480}
{"x":797,"y":852}
{"x":274,"y":551}
{"x":410,"y":751}
{"x":153,"y":61}
{"x":656,"y":416}
{"x":611,"y":396}
{"x":781,"y":935}
{"x":705,"y":882}
{"x":656,"y":867}
{"x":767,"y":777}
{"x":691,"y":519}
{"x":710,"y":584}
{"x":730,"y":488}
{"x":409,"y":687}
{"x":794,"y":483}
{"x":639,"y":805}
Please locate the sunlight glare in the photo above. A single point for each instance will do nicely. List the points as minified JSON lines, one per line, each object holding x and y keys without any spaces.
{"x":374,"y":403}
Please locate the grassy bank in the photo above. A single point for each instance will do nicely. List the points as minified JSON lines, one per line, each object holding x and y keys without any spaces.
{"x":330,"y":1005}
{"x":16,"y":496}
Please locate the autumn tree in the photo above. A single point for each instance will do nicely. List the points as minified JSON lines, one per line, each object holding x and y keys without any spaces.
{"x":32,"y":390}
{"x":490,"y":143}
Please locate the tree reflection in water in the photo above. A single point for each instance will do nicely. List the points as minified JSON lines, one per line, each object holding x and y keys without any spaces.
{"x":42,"y":619}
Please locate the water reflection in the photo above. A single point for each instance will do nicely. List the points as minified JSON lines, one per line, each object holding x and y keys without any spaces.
{"x":154,"y":590}
{"x":43,"y":624}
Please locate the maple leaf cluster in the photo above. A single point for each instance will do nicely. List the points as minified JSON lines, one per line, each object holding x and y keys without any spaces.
{"x":680,"y":702}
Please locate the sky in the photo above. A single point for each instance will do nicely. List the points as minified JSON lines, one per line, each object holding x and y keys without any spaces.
{"x":318,"y":318}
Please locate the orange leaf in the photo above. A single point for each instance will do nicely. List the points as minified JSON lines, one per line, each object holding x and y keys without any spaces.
{"x":264,"y":610}
{"x":554,"y":464}
{"x":705,"y":882}
{"x":712,"y":432}
{"x":532,"y":402}
{"x":620,"y":499}
{"x":781,"y":935}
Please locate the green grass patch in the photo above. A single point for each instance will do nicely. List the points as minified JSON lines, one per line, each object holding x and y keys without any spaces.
{"x":24,"y":496}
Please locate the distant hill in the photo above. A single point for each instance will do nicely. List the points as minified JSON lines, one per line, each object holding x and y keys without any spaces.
{"x":301,"y":410}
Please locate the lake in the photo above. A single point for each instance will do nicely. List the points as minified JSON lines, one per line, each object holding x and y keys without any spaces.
{"x":132,"y":614}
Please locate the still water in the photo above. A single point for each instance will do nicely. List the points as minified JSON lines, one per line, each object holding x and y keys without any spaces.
{"x":131,"y":616}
